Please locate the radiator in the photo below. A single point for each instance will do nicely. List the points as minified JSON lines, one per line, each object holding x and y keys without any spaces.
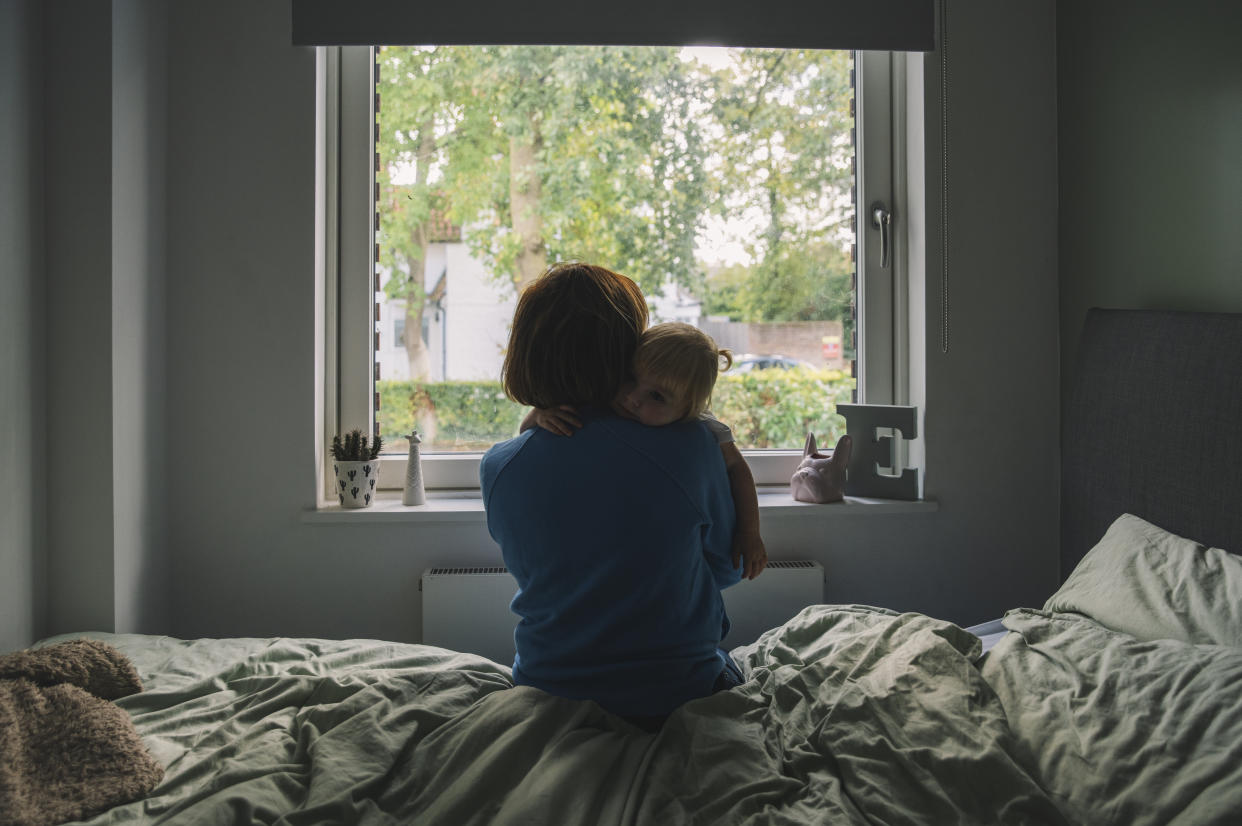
{"x":467,"y":609}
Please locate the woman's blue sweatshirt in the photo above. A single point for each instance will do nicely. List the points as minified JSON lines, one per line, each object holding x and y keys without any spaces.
{"x":619,"y":537}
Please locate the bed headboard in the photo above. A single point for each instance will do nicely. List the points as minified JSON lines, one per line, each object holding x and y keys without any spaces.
{"x":1154,"y":428}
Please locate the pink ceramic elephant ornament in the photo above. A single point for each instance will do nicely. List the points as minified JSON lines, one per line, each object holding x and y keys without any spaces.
{"x":820,"y":478}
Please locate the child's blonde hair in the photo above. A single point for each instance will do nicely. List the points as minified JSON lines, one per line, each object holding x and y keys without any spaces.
{"x":685,"y":360}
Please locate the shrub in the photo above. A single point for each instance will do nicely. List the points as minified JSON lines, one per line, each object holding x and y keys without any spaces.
{"x":777,"y":408}
{"x":449,"y":415}
{"x":765,"y":408}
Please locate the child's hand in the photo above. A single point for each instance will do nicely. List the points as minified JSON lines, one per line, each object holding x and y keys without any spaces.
{"x":748,"y":551}
{"x":562,"y":420}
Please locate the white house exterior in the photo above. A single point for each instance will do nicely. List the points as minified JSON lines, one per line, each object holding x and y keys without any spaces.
{"x":674,"y":303}
{"x":466,"y":331}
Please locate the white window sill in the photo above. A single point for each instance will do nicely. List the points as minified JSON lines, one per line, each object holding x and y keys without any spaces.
{"x":776,"y":501}
{"x":467,"y":506}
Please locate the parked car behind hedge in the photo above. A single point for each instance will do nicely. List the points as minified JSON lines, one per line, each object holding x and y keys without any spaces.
{"x":748,"y":361}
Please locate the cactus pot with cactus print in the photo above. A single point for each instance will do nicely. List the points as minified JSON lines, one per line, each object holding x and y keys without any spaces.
{"x":356,"y":482}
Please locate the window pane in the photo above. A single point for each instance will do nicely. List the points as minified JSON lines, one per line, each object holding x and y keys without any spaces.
{"x":721,"y":180}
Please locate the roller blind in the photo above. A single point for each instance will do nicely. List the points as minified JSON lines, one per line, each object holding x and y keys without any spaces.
{"x":888,"y":25}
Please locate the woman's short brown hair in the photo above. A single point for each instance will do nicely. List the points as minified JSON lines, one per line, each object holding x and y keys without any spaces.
{"x":574,"y":334}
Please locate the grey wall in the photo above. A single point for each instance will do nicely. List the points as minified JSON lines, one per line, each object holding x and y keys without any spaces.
{"x":101,"y":328}
{"x":78,"y":324}
{"x":1150,"y":99}
{"x":139,"y":233}
{"x":22,"y":360}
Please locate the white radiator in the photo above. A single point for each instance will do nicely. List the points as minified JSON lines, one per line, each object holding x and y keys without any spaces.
{"x":467,"y":609}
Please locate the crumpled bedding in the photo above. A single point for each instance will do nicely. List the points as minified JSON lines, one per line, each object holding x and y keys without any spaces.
{"x":1125,"y":692}
{"x":1121,"y":730}
{"x":849,"y":715}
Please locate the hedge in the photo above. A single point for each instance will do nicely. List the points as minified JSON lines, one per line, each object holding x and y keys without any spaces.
{"x":765,"y":408}
{"x":777,"y":408}
{"x":449,"y":415}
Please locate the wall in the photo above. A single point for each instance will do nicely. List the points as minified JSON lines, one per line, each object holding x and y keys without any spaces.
{"x":241,"y":350}
{"x":1150,"y":98}
{"x":989,"y":400}
{"x":79,"y":323}
{"x":22,"y":358}
{"x":107,"y":564}
{"x":802,"y":340}
{"x":139,"y":110}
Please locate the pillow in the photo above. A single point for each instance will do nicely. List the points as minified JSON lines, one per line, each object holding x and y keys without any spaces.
{"x":1146,"y":582}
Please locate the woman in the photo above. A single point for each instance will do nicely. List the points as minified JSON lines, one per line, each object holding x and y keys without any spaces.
{"x":618,"y":536}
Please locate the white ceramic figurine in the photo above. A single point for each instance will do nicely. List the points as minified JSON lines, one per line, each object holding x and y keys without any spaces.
{"x":820,"y":478}
{"x":413,"y":494}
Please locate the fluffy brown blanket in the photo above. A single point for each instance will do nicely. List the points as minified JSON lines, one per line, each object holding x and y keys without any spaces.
{"x":91,"y":665}
{"x":64,"y":753}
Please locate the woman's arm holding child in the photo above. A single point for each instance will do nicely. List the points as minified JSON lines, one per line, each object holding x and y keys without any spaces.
{"x":747,"y":543}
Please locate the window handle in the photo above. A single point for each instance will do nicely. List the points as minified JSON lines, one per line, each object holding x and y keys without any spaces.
{"x":882,"y":220}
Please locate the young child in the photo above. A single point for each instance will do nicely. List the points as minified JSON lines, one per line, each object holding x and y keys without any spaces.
{"x":675,"y":368}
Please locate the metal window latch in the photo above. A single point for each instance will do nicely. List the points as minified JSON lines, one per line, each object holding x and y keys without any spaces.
{"x":882,"y":220}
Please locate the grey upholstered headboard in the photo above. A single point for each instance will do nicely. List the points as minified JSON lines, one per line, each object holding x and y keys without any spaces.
{"x":1154,"y":428}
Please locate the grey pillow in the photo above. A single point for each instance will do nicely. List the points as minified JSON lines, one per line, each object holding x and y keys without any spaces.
{"x":1144,"y":581}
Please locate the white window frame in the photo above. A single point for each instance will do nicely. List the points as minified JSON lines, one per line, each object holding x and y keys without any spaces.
{"x":347,"y":108}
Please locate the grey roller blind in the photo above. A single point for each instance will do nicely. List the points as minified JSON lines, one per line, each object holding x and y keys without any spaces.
{"x":888,"y":25}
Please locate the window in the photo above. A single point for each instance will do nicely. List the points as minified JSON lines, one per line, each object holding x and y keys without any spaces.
{"x":738,"y":208}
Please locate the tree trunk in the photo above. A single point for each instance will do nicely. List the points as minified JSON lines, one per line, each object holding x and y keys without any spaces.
{"x":416,"y":353}
{"x":416,"y":297}
{"x":525,"y":190}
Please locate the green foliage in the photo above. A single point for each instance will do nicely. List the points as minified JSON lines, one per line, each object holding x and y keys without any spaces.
{"x":415,"y":87}
{"x":615,"y":168}
{"x":353,"y":447}
{"x":765,"y":408}
{"x":799,"y":284}
{"x":449,"y":415}
{"x":786,"y":153}
{"x":616,"y":155}
{"x":777,"y":408}
{"x":722,"y":293}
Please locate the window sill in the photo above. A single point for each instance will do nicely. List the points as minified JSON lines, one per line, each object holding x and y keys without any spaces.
{"x":467,"y":506}
{"x":441,"y":506}
{"x":776,"y":501}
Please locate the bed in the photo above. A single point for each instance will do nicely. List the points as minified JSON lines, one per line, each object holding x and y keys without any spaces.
{"x":1119,"y":701}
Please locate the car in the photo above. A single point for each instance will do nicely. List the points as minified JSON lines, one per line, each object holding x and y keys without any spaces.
{"x":749,"y":361}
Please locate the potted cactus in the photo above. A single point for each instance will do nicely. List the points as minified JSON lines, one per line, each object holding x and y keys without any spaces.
{"x":356,"y":467}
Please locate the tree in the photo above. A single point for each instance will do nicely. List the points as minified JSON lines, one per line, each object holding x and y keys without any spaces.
{"x":593,"y":154}
{"x":604,"y":154}
{"x":803,"y":282}
{"x":417,"y":89}
{"x":786,"y":157}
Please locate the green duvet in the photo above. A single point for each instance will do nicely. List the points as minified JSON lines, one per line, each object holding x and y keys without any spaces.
{"x":1120,"y":730}
{"x":1119,"y":703}
{"x":1125,"y":692}
{"x":850,"y":715}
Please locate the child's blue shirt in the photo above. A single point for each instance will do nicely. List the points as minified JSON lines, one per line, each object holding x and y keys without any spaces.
{"x":619,"y":537}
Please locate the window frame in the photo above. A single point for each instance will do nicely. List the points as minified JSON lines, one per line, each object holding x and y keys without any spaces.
{"x":347,"y":109}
